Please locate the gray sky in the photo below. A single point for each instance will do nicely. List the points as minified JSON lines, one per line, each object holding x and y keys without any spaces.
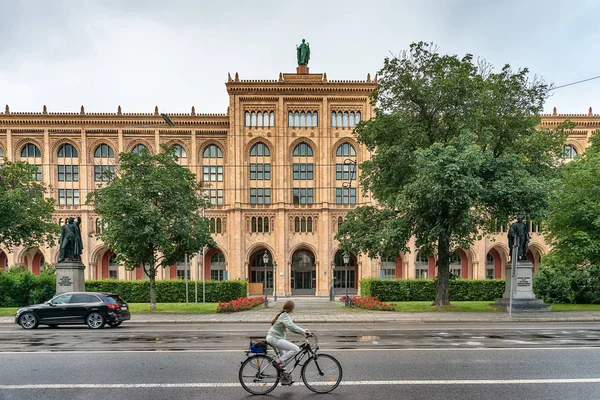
{"x":176,"y":54}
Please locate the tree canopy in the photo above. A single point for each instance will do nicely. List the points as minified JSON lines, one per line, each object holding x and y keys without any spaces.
{"x":573,"y":225}
{"x":150,"y":210}
{"x":454,"y":146}
{"x":25,"y":212}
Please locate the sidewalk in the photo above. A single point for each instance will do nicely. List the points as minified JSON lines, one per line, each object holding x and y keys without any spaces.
{"x":319,"y":310}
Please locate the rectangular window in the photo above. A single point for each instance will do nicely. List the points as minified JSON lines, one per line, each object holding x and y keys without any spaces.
{"x":217,"y":274}
{"x":212,"y":173}
{"x":345,"y":172}
{"x":422,"y":272}
{"x":68,"y":173}
{"x":260,"y":196}
{"x":181,"y":274}
{"x":214,"y":196}
{"x":68,"y":196}
{"x":345,"y":195}
{"x":341,"y":276}
{"x":103,"y":173}
{"x":260,"y":172}
{"x":38,"y":176}
{"x":113,"y":274}
{"x":489,"y":273}
{"x":303,"y":172}
{"x":303,"y":196}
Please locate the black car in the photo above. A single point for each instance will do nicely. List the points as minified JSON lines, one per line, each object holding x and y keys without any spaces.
{"x":93,"y":309}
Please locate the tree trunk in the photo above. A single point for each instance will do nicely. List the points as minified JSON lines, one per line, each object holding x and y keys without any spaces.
{"x":442,"y":297}
{"x":152,"y":277}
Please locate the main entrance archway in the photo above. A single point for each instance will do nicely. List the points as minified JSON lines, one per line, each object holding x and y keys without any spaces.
{"x":303,"y":277}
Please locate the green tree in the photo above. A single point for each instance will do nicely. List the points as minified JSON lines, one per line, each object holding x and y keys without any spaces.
{"x":573,"y":225}
{"x":25,"y":214}
{"x":454,"y":146}
{"x":150,"y":211}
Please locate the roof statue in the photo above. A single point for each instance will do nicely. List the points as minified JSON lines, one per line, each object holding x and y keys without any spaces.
{"x":303,"y":53}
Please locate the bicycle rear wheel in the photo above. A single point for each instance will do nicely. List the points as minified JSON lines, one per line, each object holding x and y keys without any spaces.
{"x":258,"y":375}
{"x":322,"y":374}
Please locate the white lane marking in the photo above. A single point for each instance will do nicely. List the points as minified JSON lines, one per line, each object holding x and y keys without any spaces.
{"x":323,"y":350}
{"x":345,"y":383}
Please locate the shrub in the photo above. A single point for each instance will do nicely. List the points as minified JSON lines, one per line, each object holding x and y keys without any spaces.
{"x":369,"y":303}
{"x":241,"y":304}
{"x":19,"y":287}
{"x":566,"y":284}
{"x":425,"y":289}
{"x":169,"y":291}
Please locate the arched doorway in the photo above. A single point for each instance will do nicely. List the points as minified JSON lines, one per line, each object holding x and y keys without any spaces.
{"x":261,"y":273}
{"x":303,"y":277}
{"x":345,"y":275}
{"x":3,"y":261}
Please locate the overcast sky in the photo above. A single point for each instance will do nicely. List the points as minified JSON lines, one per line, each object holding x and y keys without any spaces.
{"x":177,"y":54}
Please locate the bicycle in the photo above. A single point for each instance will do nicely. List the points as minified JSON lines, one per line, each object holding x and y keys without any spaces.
{"x":321,"y":373}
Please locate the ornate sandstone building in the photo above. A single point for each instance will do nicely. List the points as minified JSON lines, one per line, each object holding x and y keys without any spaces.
{"x":280,"y":173}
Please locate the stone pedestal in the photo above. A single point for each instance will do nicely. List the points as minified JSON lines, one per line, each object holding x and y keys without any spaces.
{"x":302,"y":69}
{"x":70,"y":277}
{"x":524,"y":299}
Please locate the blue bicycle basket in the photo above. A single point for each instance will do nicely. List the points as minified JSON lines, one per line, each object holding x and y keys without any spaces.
{"x":259,"y":347}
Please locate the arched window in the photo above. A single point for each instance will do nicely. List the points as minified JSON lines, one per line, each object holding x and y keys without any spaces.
{"x":569,"y":152}
{"x":1,"y":152}
{"x":260,"y":174}
{"x":211,"y":224}
{"x":302,"y":119}
{"x":421,"y":266}
{"x":272,"y":118}
{"x":296,"y":118}
{"x":260,"y":121}
{"x":213,"y":172}
{"x":489,"y":266}
{"x":247,"y":118}
{"x":352,"y":118}
{"x":98,"y":226}
{"x":339,"y":119}
{"x":357,"y":117}
{"x":212,"y":151}
{"x":253,"y":119}
{"x":260,"y":149}
{"x":333,"y":119}
{"x":113,"y":267}
{"x":179,"y":151}
{"x":309,"y":119}
{"x":139,"y":148}
{"x":253,"y":227}
{"x":315,"y":119}
{"x":266,"y":224}
{"x":104,"y":151}
{"x":219,"y":227}
{"x":340,"y":221}
{"x":297,"y":224}
{"x":456,"y":264}
{"x":345,"y":150}
{"x":309,"y":224}
{"x":67,"y":150}
{"x":104,"y":163}
{"x":303,"y":224}
{"x":303,"y":150}
{"x":31,"y":153}
{"x":290,"y":118}
{"x":217,"y":266}
{"x":345,"y":123}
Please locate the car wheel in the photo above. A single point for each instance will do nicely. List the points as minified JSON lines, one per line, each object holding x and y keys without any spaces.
{"x":52,"y":326}
{"x":28,"y":321}
{"x":95,"y":320}
{"x":115,"y":324}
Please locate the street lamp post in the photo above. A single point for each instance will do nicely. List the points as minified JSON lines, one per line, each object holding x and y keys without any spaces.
{"x":274,"y":278}
{"x":346,"y":258}
{"x":265,"y":262}
{"x":332,"y":288}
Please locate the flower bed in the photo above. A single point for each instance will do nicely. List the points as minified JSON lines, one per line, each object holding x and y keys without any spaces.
{"x":241,"y":304}
{"x":369,"y":303}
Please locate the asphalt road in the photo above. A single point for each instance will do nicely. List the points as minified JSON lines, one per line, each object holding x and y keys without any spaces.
{"x":420,"y":361}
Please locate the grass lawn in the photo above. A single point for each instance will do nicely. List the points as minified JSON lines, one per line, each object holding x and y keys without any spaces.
{"x":8,"y":311}
{"x":425,"y":306}
{"x":175,"y":308}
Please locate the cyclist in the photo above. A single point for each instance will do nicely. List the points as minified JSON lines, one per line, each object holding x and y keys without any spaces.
{"x":277,"y":335}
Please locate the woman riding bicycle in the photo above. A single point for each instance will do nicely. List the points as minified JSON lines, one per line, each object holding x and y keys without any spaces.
{"x":277,"y":335}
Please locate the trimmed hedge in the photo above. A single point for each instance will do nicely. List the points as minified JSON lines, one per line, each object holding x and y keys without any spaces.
{"x":171,"y":291}
{"x":425,"y":289}
{"x":19,"y":287}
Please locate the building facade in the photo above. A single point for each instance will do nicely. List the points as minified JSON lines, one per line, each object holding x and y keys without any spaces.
{"x":280,"y":172}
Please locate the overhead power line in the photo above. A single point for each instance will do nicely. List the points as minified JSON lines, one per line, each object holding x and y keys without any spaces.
{"x":575,"y":83}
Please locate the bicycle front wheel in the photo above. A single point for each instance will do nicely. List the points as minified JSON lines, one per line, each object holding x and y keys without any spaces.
{"x":322,"y":374}
{"x":258,"y":375}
